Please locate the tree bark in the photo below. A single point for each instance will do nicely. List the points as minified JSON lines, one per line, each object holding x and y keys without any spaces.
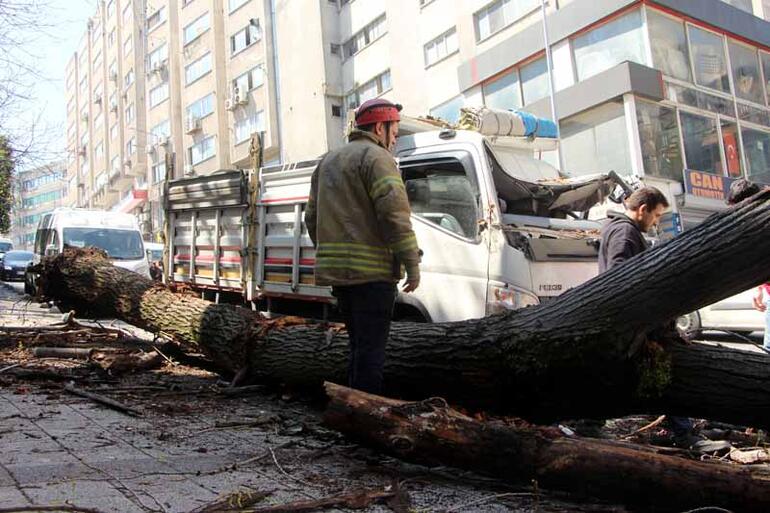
{"x":429,"y":432}
{"x":584,"y":354}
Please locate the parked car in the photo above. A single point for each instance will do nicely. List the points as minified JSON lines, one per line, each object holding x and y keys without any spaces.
{"x":735,"y":314}
{"x":15,"y":265}
{"x":5,"y":246}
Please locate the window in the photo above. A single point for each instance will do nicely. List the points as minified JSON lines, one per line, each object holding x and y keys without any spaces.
{"x":114,"y":131}
{"x":610,"y":44}
{"x":98,"y":120}
{"x":699,"y":99}
{"x":745,"y":67}
{"x":744,"y":5}
{"x":503,"y":93}
{"x":669,"y":46}
{"x":337,"y":111}
{"x":156,"y":18}
{"x":131,"y":146}
{"x":110,"y":7}
{"x":765,"y":59}
{"x":127,"y":12}
{"x":159,"y":171}
{"x":731,"y":148}
{"x":115,"y":163}
{"x":234,"y":4}
{"x":160,"y":131}
{"x":96,"y":31}
{"x":130,"y":111}
{"x":196,"y":28}
{"x":534,"y":81}
{"x":97,"y":61}
{"x":201,"y":108}
{"x":245,"y":38}
{"x":129,"y":78}
{"x":659,"y":137}
{"x":197,"y":69}
{"x":158,"y":94}
{"x":157,"y":57}
{"x":252,"y":79}
{"x":369,"y":90}
{"x":84,"y":85}
{"x":249,"y":125}
{"x":499,"y":14}
{"x":586,"y":137}
{"x":442,"y":193}
{"x":365,"y":37}
{"x":701,"y":143}
{"x":128,"y":45}
{"x":709,"y":60}
{"x":202,"y":150}
{"x":449,"y":111}
{"x":113,"y":70}
{"x":756,"y":144}
{"x":70,"y":105}
{"x":111,"y":38}
{"x":441,"y":47}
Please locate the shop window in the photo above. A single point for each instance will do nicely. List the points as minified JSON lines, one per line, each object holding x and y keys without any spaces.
{"x":610,"y":44}
{"x":534,"y":81}
{"x":596,"y":141}
{"x":765,"y":58}
{"x":708,"y":56}
{"x":659,"y":140}
{"x":756,"y":144}
{"x":449,"y":111}
{"x":699,"y":99}
{"x":503,"y":93}
{"x":701,"y":143}
{"x":669,"y":46}
{"x":731,"y":148}
{"x":745,"y":70}
{"x":753,"y":114}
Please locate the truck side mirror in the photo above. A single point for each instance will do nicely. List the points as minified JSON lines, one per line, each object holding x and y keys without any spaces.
{"x":51,"y":250}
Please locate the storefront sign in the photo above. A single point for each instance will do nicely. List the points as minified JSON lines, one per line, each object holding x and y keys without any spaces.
{"x":706,"y":185}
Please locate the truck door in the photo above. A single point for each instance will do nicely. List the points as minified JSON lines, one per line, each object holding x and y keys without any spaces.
{"x":446,"y":204}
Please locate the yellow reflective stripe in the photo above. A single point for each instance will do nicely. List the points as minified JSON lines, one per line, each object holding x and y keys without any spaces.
{"x":383,"y":183}
{"x":350,"y":245}
{"x":405,"y":244}
{"x":341,"y":263}
{"x":361,"y":251}
{"x":385,"y":262}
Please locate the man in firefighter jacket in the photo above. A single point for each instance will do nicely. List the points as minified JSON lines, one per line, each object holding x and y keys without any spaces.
{"x":358,"y":219}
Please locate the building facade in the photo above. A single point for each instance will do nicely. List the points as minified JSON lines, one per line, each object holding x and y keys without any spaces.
{"x":38,"y":191}
{"x":647,"y":88}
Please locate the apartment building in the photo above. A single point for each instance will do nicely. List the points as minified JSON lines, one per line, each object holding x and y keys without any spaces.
{"x":39,"y":191}
{"x":648,"y":88}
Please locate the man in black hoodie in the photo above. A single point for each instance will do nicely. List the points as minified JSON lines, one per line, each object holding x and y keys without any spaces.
{"x":623,"y":235}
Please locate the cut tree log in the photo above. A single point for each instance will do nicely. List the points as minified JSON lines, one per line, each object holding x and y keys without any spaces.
{"x":583,"y":354}
{"x":429,"y":432}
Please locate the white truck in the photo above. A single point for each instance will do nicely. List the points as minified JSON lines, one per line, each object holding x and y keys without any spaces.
{"x":116,"y":233}
{"x":498,"y":229}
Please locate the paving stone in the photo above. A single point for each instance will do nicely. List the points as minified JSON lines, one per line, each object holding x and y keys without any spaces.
{"x":10,"y":496}
{"x":99,"y":495}
{"x":33,"y":473}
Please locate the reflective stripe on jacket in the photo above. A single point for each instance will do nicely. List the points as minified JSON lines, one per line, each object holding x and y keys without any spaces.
{"x":358,"y":216}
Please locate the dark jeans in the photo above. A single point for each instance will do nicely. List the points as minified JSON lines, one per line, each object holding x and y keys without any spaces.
{"x":367,"y":310}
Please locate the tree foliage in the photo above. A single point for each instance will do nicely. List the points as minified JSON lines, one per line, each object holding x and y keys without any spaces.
{"x":6,"y":184}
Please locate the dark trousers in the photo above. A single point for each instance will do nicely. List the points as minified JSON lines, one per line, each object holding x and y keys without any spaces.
{"x":367,"y":310}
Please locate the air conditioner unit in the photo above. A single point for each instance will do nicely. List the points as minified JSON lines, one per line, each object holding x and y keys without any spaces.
{"x":188,"y":170}
{"x":240,"y":97}
{"x":158,"y":67}
{"x":230,"y":104}
{"x":192,"y":125}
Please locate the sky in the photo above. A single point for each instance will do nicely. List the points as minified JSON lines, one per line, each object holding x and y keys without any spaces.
{"x":53,"y":48}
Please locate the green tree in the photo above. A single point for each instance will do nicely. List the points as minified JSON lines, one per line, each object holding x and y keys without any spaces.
{"x":6,"y":184}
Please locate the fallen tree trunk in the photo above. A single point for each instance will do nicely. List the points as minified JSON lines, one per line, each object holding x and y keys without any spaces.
{"x":429,"y":432}
{"x":583,"y":354}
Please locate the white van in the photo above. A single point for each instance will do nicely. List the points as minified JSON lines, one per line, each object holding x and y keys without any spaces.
{"x":6,"y":245}
{"x":154,"y":251}
{"x":116,"y":233}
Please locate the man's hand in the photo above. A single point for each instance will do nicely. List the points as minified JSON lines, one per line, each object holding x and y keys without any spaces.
{"x":411,"y":285}
{"x":758,"y":303}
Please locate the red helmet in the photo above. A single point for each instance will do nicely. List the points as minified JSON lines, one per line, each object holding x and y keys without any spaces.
{"x":378,"y":109}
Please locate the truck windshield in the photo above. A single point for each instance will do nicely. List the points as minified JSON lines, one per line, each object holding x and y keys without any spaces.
{"x":5,"y":246}
{"x":119,"y":244}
